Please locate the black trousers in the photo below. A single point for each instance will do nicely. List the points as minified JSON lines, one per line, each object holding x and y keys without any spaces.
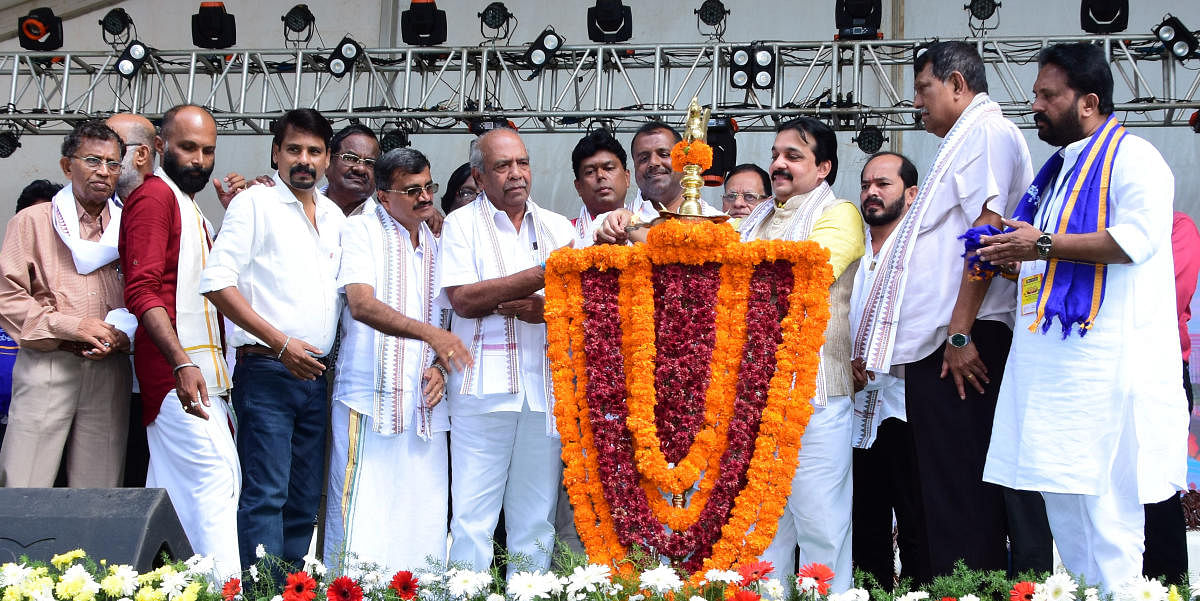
{"x":885,"y":481}
{"x":1165,"y":556}
{"x":964,"y":516}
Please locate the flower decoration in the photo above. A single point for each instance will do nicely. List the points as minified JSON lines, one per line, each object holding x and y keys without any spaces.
{"x":232,"y":589}
{"x":696,"y":153}
{"x":754,"y":571}
{"x":299,"y":586}
{"x":62,"y":560}
{"x":745,"y":595}
{"x":821,"y":574}
{"x":344,"y":589}
{"x":1022,"y":591}
{"x":404,"y":584}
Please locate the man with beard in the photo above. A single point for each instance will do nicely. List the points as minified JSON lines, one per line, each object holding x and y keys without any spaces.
{"x":504,"y":447}
{"x":816,"y":520}
{"x":273,"y":273}
{"x":601,"y":179}
{"x":1094,"y":417}
{"x":745,"y":186}
{"x":390,"y":381}
{"x":658,"y":187}
{"x":165,"y":242}
{"x":60,"y":286}
{"x":884,"y":478}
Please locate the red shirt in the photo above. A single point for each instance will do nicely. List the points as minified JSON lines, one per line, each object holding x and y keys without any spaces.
{"x":1185,"y":246}
{"x":149,"y":248}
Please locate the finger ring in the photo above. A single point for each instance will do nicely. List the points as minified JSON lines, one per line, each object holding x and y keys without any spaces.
{"x":970,"y":376}
{"x":193,"y":404}
{"x":107,"y":344}
{"x":449,"y":354}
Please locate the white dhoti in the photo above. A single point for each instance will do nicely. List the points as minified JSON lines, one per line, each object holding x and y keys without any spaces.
{"x":196,"y":461}
{"x":387,"y":501}
{"x":504,"y":458}
{"x":816,"y":520}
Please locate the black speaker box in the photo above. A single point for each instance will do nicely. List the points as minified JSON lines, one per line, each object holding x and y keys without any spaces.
{"x":122,"y":525}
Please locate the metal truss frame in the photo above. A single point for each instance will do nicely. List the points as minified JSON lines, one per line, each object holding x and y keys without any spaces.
{"x":428,"y":90}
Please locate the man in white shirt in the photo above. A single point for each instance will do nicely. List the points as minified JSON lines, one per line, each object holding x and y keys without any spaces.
{"x":273,"y":272}
{"x":389,"y":423}
{"x":601,"y":179}
{"x":950,"y":332}
{"x":1091,"y":414}
{"x":504,"y":448}
{"x":884,"y":467}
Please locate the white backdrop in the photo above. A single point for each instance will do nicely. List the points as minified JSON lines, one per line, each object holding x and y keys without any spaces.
{"x":165,"y":24}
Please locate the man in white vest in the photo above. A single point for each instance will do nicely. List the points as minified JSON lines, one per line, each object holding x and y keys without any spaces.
{"x":816,"y":520}
{"x":504,"y":447}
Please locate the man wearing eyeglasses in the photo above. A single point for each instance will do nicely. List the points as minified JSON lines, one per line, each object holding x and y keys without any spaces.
{"x":745,"y":186}
{"x":59,"y":282}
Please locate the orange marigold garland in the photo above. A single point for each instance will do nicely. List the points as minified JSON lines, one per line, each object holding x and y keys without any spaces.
{"x":696,"y":153}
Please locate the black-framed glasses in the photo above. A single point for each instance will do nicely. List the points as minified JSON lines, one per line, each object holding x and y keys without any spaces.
{"x":415,"y":191}
{"x":466,"y":194}
{"x":750,"y":197}
{"x":94,"y":163}
{"x":349,"y":157}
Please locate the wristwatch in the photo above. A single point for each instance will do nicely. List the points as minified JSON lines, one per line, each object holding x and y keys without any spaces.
{"x":959,"y":340}
{"x":1043,"y":246}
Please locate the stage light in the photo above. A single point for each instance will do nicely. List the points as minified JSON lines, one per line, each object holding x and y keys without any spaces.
{"x":9,"y":142}
{"x":393,"y":135}
{"x":423,"y":24}
{"x":610,"y":22}
{"x":495,"y":16}
{"x":713,"y":14}
{"x":131,"y":60}
{"x":482,"y":125}
{"x":343,"y":57}
{"x":752,"y":65}
{"x":870,"y":139}
{"x":1176,"y":37}
{"x":720,"y":137}
{"x":542,"y":50}
{"x":982,"y":9}
{"x":116,"y":27}
{"x":739,"y":67}
{"x":40,"y":30}
{"x":858,"y":19}
{"x":1194,"y":121}
{"x":298,"y":25}
{"x":212,"y":27}
{"x":1104,"y":16}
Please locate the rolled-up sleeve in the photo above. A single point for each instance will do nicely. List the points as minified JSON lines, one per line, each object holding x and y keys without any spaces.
{"x":840,"y":230}
{"x":234,"y":246}
{"x":30,"y":322}
{"x":456,"y":261}
{"x":145,"y":227}
{"x":1142,"y":193}
{"x":358,"y":262}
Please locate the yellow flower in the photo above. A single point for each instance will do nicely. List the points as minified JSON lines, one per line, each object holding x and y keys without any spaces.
{"x":191,"y":593}
{"x":1173,"y":594}
{"x":37,"y":585}
{"x":11,"y":594}
{"x":155,"y":576}
{"x":61,"y":561}
{"x":149,"y":593}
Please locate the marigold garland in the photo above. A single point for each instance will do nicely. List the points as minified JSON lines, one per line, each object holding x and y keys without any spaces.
{"x":696,"y":153}
{"x":743,"y":455}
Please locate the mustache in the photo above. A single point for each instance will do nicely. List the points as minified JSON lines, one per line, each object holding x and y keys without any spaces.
{"x":873,"y":199}
{"x":297,"y":169}
{"x":1041,"y":118}
{"x":781,"y":173}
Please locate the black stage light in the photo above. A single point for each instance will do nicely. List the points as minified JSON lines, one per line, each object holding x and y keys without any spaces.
{"x":1104,"y":16}
{"x":131,"y":60}
{"x":752,"y":66}
{"x":392,"y":136}
{"x":495,"y":16}
{"x":423,"y":24}
{"x":40,"y":30}
{"x":721,"y":132}
{"x":870,"y":139}
{"x":982,"y":9}
{"x":116,"y":27}
{"x":610,"y":22}
{"x":1177,"y":39}
{"x":481,"y":125}
{"x":712,"y":12}
{"x":542,"y":50}
{"x":298,"y":24}
{"x":858,"y":19}
{"x":9,"y":143}
{"x":343,"y":57}
{"x":212,"y":27}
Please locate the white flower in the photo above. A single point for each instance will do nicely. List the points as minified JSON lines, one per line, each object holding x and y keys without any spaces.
{"x":427,"y":577}
{"x":1091,"y":594}
{"x":12,"y":573}
{"x":199,"y":564}
{"x":807,"y":584}
{"x":126,"y":579}
{"x":913,"y":596}
{"x":466,"y":583}
{"x":724,"y":576}
{"x":772,"y":589}
{"x":636,"y":597}
{"x":78,"y":579}
{"x":589,"y":578}
{"x":1141,"y":588}
{"x":173,"y":583}
{"x":694,"y":598}
{"x":276,"y":597}
{"x":254,"y":573}
{"x":968,"y":597}
{"x":661,"y":580}
{"x":372,"y":580}
{"x":260,"y":552}
{"x":313,"y":565}
{"x":495,"y":597}
{"x":1059,"y":587}
{"x":525,"y":586}
{"x":860,"y":594}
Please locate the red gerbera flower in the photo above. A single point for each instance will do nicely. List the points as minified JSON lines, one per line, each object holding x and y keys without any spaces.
{"x":232,"y":589}
{"x":344,"y":589}
{"x":744,"y":595}
{"x":1021,"y":591}
{"x":754,"y":571}
{"x":819,"y":572}
{"x":299,"y":587}
{"x":404,"y":584}
{"x":949,"y":599}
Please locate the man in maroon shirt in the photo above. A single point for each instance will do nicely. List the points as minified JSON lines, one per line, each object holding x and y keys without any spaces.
{"x":165,"y":240}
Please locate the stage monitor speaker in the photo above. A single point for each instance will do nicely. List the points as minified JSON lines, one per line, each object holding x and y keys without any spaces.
{"x":133,"y":526}
{"x":1104,"y":16}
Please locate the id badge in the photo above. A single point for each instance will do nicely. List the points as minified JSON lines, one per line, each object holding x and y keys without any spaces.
{"x":1030,"y":287}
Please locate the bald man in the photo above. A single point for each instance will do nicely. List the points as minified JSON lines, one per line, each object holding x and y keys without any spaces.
{"x":164,"y":244}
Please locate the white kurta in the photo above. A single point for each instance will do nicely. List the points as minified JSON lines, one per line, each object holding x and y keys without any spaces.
{"x":1064,"y":405}
{"x":883,"y":396}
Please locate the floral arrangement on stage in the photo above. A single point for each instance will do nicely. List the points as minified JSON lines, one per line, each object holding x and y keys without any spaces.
{"x":683,"y":370}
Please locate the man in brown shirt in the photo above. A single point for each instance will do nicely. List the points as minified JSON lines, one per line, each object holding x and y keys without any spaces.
{"x":59,"y":280}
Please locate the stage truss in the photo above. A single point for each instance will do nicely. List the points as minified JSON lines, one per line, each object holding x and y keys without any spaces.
{"x":430,"y":90}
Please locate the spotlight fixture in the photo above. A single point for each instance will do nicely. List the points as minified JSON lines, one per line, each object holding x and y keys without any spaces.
{"x":495,"y":16}
{"x":10,"y":141}
{"x":870,"y":139}
{"x":542,"y":50}
{"x":393,"y":135}
{"x":1103,"y":16}
{"x":712,"y":13}
{"x":1177,"y":39}
{"x":724,"y":147}
{"x":610,"y":22}
{"x":981,"y":10}
{"x":40,"y":30}
{"x":342,"y":60}
{"x":481,"y":125}
{"x":858,"y":19}
{"x":298,"y":25}
{"x":131,"y":60}
{"x":752,"y":66}
{"x":116,"y":27}
{"x":423,"y":24}
{"x":212,"y":27}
